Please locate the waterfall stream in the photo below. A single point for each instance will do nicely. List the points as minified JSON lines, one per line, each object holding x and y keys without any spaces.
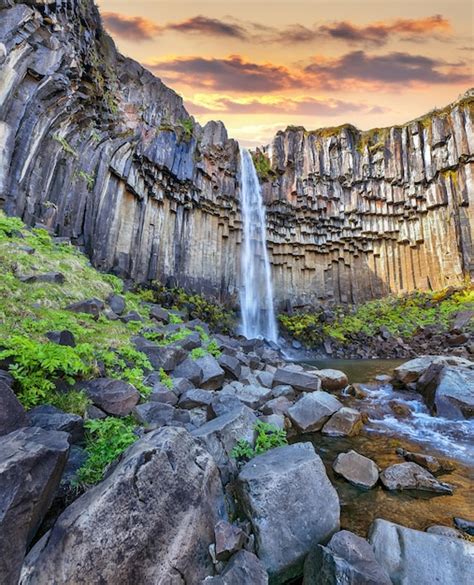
{"x":256,"y":293}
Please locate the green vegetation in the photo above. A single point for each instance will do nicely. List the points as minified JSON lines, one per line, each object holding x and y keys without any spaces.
{"x":402,"y":316}
{"x":263,"y":166}
{"x":268,"y":437}
{"x":87,"y":177}
{"x":65,"y":144}
{"x":106,"y":440}
{"x":166,"y":379}
{"x":188,"y":127}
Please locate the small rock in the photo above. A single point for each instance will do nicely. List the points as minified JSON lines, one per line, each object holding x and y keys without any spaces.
{"x":230,"y":365}
{"x":64,"y":337}
{"x":253,"y":396}
{"x":265,"y":379}
{"x":112,"y":396}
{"x":276,"y":406}
{"x":357,"y":469}
{"x":284,"y":390}
{"x":410,"y":476}
{"x":212,"y":374}
{"x":299,"y":380}
{"x":244,"y":568}
{"x":432,"y":464}
{"x":346,"y":422}
{"x":117,"y":304}
{"x":357,"y":391}
{"x":166,"y":357}
{"x":445,"y":531}
{"x":132,"y":316}
{"x":189,"y":370}
{"x":196,"y":397}
{"x":51,"y":418}
{"x":312,"y":410}
{"x":160,"y":314}
{"x":162,"y":394}
{"x":332,"y":380}
{"x":90,"y":307}
{"x":154,"y":413}
{"x":229,"y":540}
{"x":94,"y":413}
{"x":223,"y":403}
{"x":466,"y":526}
{"x":400,"y":408}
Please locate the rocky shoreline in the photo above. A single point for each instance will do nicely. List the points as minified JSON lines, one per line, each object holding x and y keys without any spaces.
{"x":179,"y":507}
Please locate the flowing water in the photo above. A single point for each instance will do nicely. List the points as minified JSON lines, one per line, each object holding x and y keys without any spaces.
{"x":256,"y":294}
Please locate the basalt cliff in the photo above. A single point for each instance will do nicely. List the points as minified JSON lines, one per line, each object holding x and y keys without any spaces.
{"x":98,"y":150}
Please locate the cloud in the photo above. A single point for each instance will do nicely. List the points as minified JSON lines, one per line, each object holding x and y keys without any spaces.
{"x":132,"y":28}
{"x":386,"y":70}
{"x":230,"y":73}
{"x":301,"y":106}
{"x":203,"y":25}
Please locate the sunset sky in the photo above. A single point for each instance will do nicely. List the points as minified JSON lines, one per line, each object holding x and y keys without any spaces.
{"x":262,"y":65}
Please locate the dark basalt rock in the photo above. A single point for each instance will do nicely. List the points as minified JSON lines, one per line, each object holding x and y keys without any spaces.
{"x":12,"y":413}
{"x":112,"y":396}
{"x":91,"y":307}
{"x":51,"y":418}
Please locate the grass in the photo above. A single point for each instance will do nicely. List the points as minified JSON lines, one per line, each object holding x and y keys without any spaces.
{"x":268,"y":437}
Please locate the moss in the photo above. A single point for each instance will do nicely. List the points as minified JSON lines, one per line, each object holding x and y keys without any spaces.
{"x":452,"y":176}
{"x":263,"y":166}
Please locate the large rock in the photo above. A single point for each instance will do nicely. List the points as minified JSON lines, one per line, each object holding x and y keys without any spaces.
{"x":332,"y":380}
{"x":244,"y":568}
{"x":412,"y":557}
{"x":90,"y":306}
{"x":448,"y":390}
{"x":346,"y":559}
{"x":411,"y":476}
{"x":189,"y":370}
{"x":299,"y":380}
{"x":346,"y":422}
{"x":51,"y":418}
{"x":231,"y":365}
{"x":112,"y":396}
{"x":150,"y":521}
{"x":12,"y":413}
{"x":31,"y":464}
{"x":157,"y":414}
{"x":219,"y":436}
{"x":166,"y":357}
{"x":291,"y":504}
{"x":212,"y":376}
{"x":356,"y":469}
{"x":411,"y":371}
{"x":252,"y":395}
{"x":312,"y":410}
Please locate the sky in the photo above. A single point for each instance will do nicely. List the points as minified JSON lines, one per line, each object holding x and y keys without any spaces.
{"x":261,"y":65}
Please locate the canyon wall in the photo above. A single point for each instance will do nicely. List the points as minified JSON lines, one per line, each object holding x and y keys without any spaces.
{"x":97,"y":149}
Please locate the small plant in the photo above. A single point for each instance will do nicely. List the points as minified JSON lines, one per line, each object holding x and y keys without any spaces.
{"x":166,"y":379}
{"x":73,"y":401}
{"x":268,"y":437}
{"x":65,"y":144}
{"x":106,"y":440}
{"x":198,"y":352}
{"x":87,"y":177}
{"x":188,"y":127}
{"x":175,"y":319}
{"x":213,"y":349}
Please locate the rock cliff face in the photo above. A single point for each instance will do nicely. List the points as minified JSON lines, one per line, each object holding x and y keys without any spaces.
{"x":98,"y":149}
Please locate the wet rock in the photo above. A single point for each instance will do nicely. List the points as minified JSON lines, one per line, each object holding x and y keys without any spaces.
{"x":112,"y":396}
{"x":90,"y":307}
{"x":411,"y":371}
{"x":189,"y":370}
{"x":156,"y":414}
{"x":444,"y":531}
{"x":415,"y":557}
{"x":347,"y":558}
{"x":357,"y":391}
{"x":466,"y":526}
{"x":219,"y":437}
{"x":297,"y":379}
{"x":51,"y":418}
{"x":64,"y":337}
{"x":12,"y":413}
{"x":357,"y":469}
{"x":312,"y":411}
{"x":167,"y":357}
{"x":291,"y":504}
{"x":432,"y":464}
{"x":400,"y":408}
{"x":332,"y":380}
{"x":212,"y":376}
{"x":448,"y":391}
{"x":117,"y":304}
{"x":230,"y":365}
{"x":165,"y":497}
{"x":31,"y":464}
{"x":410,"y":476}
{"x":346,"y":422}
{"x":229,"y":539}
{"x":244,"y":568}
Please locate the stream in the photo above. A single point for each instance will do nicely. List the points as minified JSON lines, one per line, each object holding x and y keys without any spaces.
{"x":382,"y":435}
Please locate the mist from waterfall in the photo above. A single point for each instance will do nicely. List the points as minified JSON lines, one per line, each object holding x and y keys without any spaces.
{"x":256,"y":292}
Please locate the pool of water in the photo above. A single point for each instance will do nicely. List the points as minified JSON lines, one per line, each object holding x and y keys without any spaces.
{"x":358,"y":370}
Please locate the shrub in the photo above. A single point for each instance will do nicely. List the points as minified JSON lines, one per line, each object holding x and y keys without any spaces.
{"x":73,"y":401}
{"x":106,"y":440}
{"x":166,"y":379}
{"x":268,"y":437}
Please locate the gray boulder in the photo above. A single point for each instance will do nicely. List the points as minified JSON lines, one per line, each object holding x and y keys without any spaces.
{"x":150,"y":521}
{"x":31,"y":464}
{"x":411,"y":371}
{"x":448,"y":391}
{"x":346,"y":559}
{"x":252,"y":395}
{"x":276,"y":406}
{"x":332,"y":380}
{"x":411,"y":476}
{"x":117,"y":304}
{"x":51,"y":418}
{"x":230,"y":365}
{"x":219,"y":437}
{"x":112,"y":396}
{"x":212,"y":376}
{"x":189,"y":370}
{"x":90,"y":306}
{"x":229,"y":539}
{"x":299,"y":380}
{"x":12,"y":413}
{"x":311,"y":411}
{"x":356,"y":469}
{"x":162,"y":393}
{"x":157,"y":414}
{"x":223,"y":403}
{"x":412,"y":557}
{"x":346,"y":422}
{"x":288,"y":498}
{"x":244,"y":568}
{"x":196,"y":397}
{"x":166,"y":357}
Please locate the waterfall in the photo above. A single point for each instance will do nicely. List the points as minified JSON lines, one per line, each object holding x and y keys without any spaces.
{"x":256,"y":293}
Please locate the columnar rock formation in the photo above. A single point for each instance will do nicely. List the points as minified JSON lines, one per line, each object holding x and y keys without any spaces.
{"x":95,"y":147}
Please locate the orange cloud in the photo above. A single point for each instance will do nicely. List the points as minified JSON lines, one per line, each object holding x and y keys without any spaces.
{"x":133,"y":28}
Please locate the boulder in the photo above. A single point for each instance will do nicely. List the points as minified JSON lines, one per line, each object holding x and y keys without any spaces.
{"x":346,"y":559}
{"x":196,"y":397}
{"x":432,"y":464}
{"x":465,"y":525}
{"x":112,"y":396}
{"x":447,"y":531}
{"x":448,"y":391}
{"x":31,"y":464}
{"x":12,"y":413}
{"x":284,"y":390}
{"x":212,"y":376}
{"x":244,"y":568}
{"x":47,"y":277}
{"x":312,"y":410}
{"x":190,"y":342}
{"x":229,"y":539}
{"x":265,"y":379}
{"x":223,"y":403}
{"x":117,"y":304}
{"x":412,"y":557}
{"x":162,"y":393}
{"x":230,"y":365}
{"x":180,"y":385}
{"x":166,"y":357}
{"x":332,"y":380}
{"x":150,"y":521}
{"x":346,"y":422}
{"x":288,"y":498}
{"x":64,"y":337}
{"x":189,"y":370}
{"x":276,"y":406}
{"x":252,"y":395}
{"x":357,"y":469}
{"x":160,"y":314}
{"x":51,"y":418}
{"x":219,"y":437}
{"x":299,"y":380}
{"x":157,"y":414}
{"x":411,"y":371}
{"x":410,"y":476}
{"x":91,"y":307}
{"x":131,"y":316}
